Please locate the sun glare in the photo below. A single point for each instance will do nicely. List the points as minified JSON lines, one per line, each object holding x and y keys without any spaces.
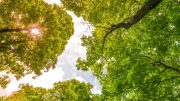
{"x":35,"y":31}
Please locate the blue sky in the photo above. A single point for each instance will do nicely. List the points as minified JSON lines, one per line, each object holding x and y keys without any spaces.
{"x":65,"y":67}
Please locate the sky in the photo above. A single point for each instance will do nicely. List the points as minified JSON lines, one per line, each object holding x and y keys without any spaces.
{"x":66,"y":65}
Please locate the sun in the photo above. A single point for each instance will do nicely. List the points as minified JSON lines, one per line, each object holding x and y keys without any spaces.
{"x":35,"y":31}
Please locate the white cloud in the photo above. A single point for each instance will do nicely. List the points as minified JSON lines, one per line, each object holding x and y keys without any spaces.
{"x":46,"y":80}
{"x":3,"y":92}
{"x":80,"y":79}
{"x":97,"y":87}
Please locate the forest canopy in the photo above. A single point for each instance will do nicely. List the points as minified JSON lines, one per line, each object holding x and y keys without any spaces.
{"x":134,"y":49}
{"x":71,"y":90}
{"x":32,"y":35}
{"x":137,"y":43}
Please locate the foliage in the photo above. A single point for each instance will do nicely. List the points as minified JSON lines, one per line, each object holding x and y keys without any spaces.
{"x":142,"y":62}
{"x":4,"y":81}
{"x":23,"y":51}
{"x":71,"y":90}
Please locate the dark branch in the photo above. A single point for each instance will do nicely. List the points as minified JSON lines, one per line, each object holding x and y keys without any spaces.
{"x":148,"y":6}
{"x":158,"y":83}
{"x":145,"y":9}
{"x":162,"y":71}
{"x":5,"y":30}
{"x":161,"y":64}
{"x":169,"y":79}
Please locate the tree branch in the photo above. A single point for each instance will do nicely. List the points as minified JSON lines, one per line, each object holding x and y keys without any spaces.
{"x":159,"y":63}
{"x":4,"y":30}
{"x":148,"y":6}
{"x":158,"y":83}
{"x":145,"y":9}
{"x":162,"y":71}
{"x":166,"y":67}
{"x":169,"y":79}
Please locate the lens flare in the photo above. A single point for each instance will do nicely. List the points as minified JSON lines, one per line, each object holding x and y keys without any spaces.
{"x":35,"y":31}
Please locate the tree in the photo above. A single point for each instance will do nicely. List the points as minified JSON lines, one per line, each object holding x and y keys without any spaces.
{"x":71,"y":90}
{"x":137,"y":42}
{"x":32,"y":35}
